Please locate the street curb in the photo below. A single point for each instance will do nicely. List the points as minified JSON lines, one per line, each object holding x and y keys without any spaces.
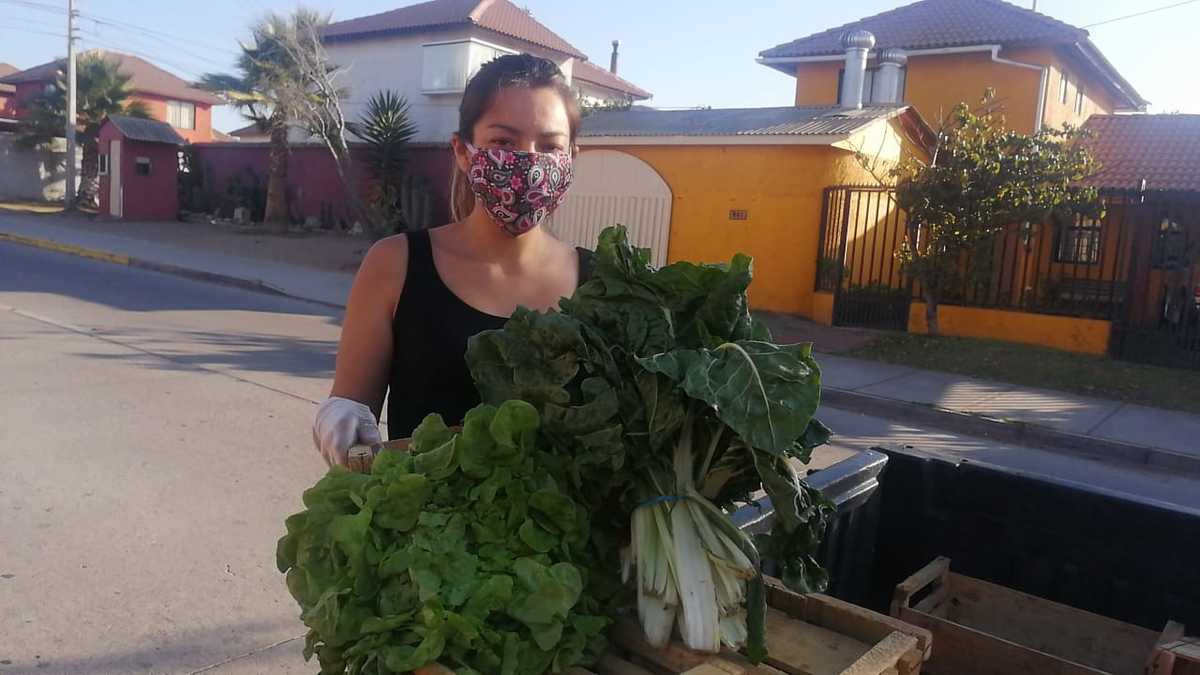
{"x":59,"y":247}
{"x":165,"y":268}
{"x":1010,"y":432}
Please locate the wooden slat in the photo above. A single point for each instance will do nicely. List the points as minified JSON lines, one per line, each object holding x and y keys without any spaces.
{"x":852,"y":620}
{"x":1073,"y":634}
{"x":959,"y":649}
{"x":803,"y":648}
{"x":935,"y":572}
{"x":883,"y":656}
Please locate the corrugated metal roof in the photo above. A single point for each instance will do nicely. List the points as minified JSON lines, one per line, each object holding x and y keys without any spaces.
{"x":1162,"y":149}
{"x":784,"y":121}
{"x":500,"y":16}
{"x":149,"y":131}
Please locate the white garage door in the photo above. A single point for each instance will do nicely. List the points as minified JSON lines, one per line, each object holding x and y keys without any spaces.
{"x":616,"y":188}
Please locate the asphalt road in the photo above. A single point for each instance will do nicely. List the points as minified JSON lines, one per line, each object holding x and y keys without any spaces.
{"x":154,"y":434}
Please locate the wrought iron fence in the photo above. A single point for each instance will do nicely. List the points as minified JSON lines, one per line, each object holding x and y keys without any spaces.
{"x":1137,"y":265}
{"x":1079,"y":267}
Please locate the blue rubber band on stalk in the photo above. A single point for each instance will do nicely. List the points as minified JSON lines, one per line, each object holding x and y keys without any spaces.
{"x":661,"y":499}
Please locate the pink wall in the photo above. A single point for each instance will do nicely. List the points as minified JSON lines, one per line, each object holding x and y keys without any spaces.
{"x":312,"y":183}
{"x":152,"y":197}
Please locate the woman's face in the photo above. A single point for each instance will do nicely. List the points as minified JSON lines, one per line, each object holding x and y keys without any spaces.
{"x":520,"y":118}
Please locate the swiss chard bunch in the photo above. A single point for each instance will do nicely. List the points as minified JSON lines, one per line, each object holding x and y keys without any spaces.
{"x":467,"y":552}
{"x":668,"y":405}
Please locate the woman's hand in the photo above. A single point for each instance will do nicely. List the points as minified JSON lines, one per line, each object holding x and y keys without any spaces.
{"x":341,"y":424}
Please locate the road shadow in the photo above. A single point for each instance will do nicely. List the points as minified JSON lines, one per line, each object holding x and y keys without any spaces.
{"x":184,"y":651}
{"x":25,"y":269}
{"x":195,"y":350}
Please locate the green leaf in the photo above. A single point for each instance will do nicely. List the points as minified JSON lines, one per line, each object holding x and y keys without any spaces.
{"x":766,"y":393}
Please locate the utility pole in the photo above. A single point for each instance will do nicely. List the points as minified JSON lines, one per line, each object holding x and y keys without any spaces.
{"x":72,"y":114}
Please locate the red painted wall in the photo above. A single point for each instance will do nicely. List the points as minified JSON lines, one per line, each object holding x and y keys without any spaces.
{"x":158,"y":110}
{"x":152,"y":197}
{"x":312,"y":183}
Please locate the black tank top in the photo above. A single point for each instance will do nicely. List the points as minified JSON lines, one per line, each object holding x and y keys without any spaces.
{"x":430,"y":331}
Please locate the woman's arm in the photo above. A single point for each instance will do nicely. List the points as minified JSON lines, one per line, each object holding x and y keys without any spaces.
{"x":365,"y":352}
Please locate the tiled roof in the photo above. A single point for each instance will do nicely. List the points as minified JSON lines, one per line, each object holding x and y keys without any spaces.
{"x":936,"y":24}
{"x":594,"y":74}
{"x":7,"y":69}
{"x":150,"y":131}
{"x":785,"y":121}
{"x":930,"y":24}
{"x":500,"y":16}
{"x":1162,"y":149}
{"x":145,"y":77}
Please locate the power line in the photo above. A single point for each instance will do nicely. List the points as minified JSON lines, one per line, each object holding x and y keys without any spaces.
{"x":31,"y":30}
{"x":1148,"y":11}
{"x":157,"y":34}
{"x":160,"y":41}
{"x":187,"y":70}
{"x":42,"y":6}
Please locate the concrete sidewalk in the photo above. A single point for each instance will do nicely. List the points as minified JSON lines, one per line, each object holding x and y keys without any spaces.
{"x":1079,"y":416}
{"x":304,"y":282}
{"x":870,"y":382}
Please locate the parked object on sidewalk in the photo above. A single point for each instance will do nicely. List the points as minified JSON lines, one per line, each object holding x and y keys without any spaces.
{"x":988,"y":629}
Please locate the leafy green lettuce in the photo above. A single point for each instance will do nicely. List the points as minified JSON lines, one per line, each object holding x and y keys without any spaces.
{"x":469,"y":552}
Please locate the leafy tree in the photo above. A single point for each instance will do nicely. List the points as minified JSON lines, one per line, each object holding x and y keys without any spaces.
{"x":980,"y":178}
{"x":101,"y":90}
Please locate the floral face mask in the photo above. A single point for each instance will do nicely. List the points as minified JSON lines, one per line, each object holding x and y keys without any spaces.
{"x":519,"y":189}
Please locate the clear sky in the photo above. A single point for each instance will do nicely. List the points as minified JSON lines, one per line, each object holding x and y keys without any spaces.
{"x":688,"y":52}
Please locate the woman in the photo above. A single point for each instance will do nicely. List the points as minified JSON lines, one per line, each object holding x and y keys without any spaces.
{"x":418,"y":297}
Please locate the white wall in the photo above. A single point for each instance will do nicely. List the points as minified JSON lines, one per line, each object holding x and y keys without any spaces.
{"x":36,"y":175}
{"x":374,"y":64}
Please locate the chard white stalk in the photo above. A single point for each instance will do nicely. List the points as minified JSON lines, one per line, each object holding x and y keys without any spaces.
{"x":689,"y":569}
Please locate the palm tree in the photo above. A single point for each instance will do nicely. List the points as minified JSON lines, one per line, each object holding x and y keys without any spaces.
{"x":101,"y":90}
{"x":264,"y":90}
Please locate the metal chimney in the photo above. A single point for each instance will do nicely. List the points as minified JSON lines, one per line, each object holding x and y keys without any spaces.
{"x":612,"y":64}
{"x":858,"y":45}
{"x":887,"y":79}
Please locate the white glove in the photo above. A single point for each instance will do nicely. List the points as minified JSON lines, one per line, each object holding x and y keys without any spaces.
{"x":342,"y":424}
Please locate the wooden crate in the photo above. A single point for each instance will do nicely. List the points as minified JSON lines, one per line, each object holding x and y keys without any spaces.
{"x":806,"y":635}
{"x":986,"y":629}
{"x":1176,"y":654}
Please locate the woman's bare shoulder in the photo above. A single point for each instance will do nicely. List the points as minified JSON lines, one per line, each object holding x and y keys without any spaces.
{"x":384,"y":268}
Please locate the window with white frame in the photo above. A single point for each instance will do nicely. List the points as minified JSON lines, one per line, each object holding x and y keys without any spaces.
{"x":103,"y":165}
{"x":447,"y":66}
{"x":1079,"y":100}
{"x":181,"y":115}
{"x":1063,"y":84}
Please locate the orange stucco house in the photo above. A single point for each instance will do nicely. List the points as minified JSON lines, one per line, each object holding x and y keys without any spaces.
{"x":1045,"y":72}
{"x":169,"y":99}
{"x":1127,"y":283}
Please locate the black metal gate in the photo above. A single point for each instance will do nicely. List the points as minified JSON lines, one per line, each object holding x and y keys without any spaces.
{"x":1160,"y":320}
{"x":861,"y":228}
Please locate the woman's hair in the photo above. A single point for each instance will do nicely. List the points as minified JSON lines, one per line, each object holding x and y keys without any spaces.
{"x":513,"y":70}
